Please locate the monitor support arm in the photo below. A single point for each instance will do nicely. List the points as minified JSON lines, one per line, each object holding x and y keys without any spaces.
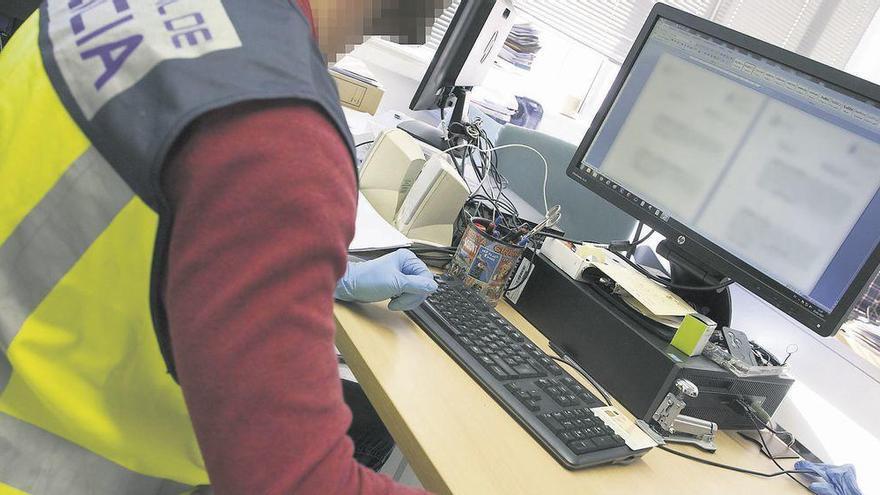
{"x":460,"y":110}
{"x":684,"y":270}
{"x":454,"y":133}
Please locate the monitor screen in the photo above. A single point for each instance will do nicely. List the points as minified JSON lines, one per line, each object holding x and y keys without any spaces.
{"x":767,"y":166}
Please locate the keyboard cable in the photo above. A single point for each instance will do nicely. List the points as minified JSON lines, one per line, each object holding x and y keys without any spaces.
{"x":562,"y":357}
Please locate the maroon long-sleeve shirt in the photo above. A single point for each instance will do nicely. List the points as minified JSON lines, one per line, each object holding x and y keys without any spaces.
{"x":263,"y":196}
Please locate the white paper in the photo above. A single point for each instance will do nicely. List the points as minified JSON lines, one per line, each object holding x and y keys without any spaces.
{"x":372,"y":232}
{"x":635,"y":438}
{"x":656,"y":299}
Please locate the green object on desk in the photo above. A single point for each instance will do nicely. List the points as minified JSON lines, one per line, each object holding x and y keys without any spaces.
{"x":693,"y":333}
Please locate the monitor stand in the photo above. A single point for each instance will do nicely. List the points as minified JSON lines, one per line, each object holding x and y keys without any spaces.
{"x":434,"y":136}
{"x":684,"y":270}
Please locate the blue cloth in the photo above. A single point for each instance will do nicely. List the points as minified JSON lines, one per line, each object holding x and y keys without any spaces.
{"x":836,"y":480}
{"x":399,"y":276}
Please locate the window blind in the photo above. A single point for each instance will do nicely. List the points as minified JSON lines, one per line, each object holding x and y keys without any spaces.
{"x":827,"y":31}
{"x":438,"y":29}
{"x":607,"y":26}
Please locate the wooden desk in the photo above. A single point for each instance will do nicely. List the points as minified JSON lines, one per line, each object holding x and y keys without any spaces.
{"x":459,"y":441}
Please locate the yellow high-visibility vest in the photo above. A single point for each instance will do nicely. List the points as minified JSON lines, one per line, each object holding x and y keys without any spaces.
{"x":92,"y":96}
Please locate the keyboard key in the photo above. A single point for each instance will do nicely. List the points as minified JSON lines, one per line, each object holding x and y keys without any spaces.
{"x":498,"y":372}
{"x":524,"y":370}
{"x":555,"y":370}
{"x":499,"y":361}
{"x":605,"y":442}
{"x":552,"y":423}
{"x":582,"y":446}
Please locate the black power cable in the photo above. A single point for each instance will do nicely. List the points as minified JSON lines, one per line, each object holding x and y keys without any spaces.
{"x":755,"y":421}
{"x":671,"y":285}
{"x":589,"y":379}
{"x":732,"y":468}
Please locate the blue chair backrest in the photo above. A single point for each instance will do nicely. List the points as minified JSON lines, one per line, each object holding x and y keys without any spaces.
{"x":585,"y":216}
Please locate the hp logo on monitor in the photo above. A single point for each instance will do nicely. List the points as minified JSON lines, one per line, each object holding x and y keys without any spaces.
{"x":488,"y":49}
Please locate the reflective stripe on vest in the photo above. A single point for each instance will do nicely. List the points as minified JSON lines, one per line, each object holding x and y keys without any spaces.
{"x":5,"y":372}
{"x":54,"y":235}
{"x":38,"y":463}
{"x":83,"y":387}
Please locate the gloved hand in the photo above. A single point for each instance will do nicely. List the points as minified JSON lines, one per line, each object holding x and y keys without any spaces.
{"x":836,"y":480}
{"x":399,"y":276}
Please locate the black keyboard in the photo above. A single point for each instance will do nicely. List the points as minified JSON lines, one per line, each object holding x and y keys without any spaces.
{"x":551,"y":405}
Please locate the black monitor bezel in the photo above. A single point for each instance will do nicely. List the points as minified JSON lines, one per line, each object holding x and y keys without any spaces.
{"x":696,"y":246}
{"x":451,"y":54}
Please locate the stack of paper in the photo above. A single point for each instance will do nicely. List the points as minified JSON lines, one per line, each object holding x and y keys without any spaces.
{"x":372,"y":232}
{"x":643,"y":294}
{"x":522,"y":46}
{"x":864,"y":338}
{"x":640,"y":292}
{"x":498,"y":105}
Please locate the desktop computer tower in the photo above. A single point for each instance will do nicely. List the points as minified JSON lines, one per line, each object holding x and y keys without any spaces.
{"x":633,"y":363}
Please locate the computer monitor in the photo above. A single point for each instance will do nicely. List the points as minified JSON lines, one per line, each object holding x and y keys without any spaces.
{"x":754,"y":162}
{"x":472,"y":41}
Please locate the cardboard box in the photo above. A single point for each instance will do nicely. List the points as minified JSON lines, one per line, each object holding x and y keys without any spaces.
{"x":357,"y":92}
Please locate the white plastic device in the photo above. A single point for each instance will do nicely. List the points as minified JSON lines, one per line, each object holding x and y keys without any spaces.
{"x":389,"y":170}
{"x":488,"y":44}
{"x":433,"y":203}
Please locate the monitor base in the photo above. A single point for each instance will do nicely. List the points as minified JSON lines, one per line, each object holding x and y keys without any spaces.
{"x":428,"y":134}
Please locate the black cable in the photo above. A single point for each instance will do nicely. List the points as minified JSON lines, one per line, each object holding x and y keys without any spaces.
{"x":632,"y":245}
{"x":643,"y":239}
{"x":363,"y":144}
{"x":562,"y":238}
{"x":589,"y":379}
{"x":433,"y":248}
{"x":731,"y":468}
{"x":672,"y":285}
{"x":754,"y":417}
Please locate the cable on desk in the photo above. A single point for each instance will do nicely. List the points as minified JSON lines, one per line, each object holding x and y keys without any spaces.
{"x":755,"y":422}
{"x":782,"y":470}
{"x":363,"y":144}
{"x":732,"y":468}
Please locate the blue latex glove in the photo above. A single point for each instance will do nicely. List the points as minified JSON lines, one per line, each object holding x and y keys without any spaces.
{"x":836,"y":480}
{"x":399,"y":276}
